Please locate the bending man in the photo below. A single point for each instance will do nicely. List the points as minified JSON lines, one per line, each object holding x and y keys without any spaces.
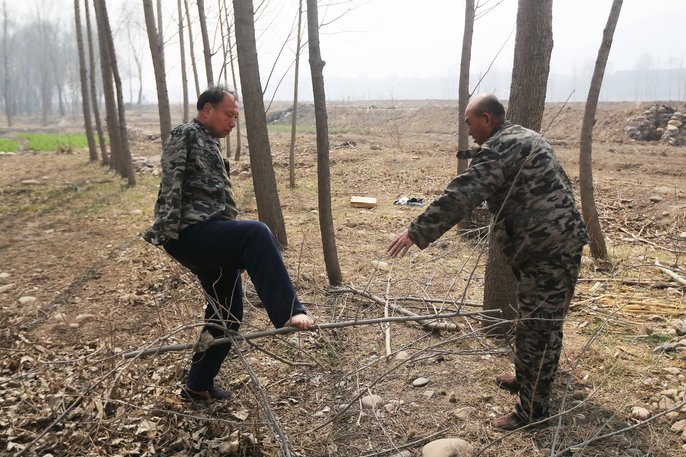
{"x":538,"y":228}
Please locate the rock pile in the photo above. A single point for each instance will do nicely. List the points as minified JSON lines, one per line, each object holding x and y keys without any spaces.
{"x":144,"y":164}
{"x":659,"y":122}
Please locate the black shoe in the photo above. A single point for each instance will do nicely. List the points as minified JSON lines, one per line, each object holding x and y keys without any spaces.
{"x":512,"y":421}
{"x":213,"y":393}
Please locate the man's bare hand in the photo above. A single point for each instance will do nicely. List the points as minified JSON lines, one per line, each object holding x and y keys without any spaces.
{"x":301,"y":321}
{"x":400,"y":245}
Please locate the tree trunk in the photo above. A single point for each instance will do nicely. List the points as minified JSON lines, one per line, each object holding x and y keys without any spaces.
{"x":192,"y":51}
{"x":533,"y":48}
{"x":92,"y":149}
{"x":294,"y":120}
{"x":108,"y":88}
{"x":223,"y":71}
{"x":6,"y":64}
{"x":463,"y":98}
{"x":333,"y":269}
{"x":93,"y":87}
{"x":158,"y":65}
{"x":184,"y":76}
{"x":264,"y":181}
{"x":588,"y":207}
{"x":126,"y":166}
{"x":237,"y":155}
{"x":207,"y":52}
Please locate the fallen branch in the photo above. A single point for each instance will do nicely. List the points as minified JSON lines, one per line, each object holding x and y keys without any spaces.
{"x":280,"y":331}
{"x":262,"y":400}
{"x":670,"y":273}
{"x":430,"y":327}
{"x":643,"y":240}
{"x":406,"y":445}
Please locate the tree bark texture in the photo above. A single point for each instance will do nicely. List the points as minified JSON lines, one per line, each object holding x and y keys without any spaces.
{"x":191,"y":50}
{"x":333,"y":269}
{"x":126,"y":166}
{"x":184,"y":76}
{"x":83,"y":75}
{"x":294,"y":120}
{"x":207,"y":52}
{"x":264,"y":180}
{"x":93,"y":89}
{"x":588,"y":206}
{"x":533,"y":48}
{"x":157,"y":54}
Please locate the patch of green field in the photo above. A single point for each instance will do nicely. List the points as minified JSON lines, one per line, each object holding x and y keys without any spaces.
{"x":8,"y":145}
{"x":54,"y":141}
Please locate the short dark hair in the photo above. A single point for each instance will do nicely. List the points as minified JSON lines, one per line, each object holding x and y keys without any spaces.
{"x":490,"y":104}
{"x":214,"y":95}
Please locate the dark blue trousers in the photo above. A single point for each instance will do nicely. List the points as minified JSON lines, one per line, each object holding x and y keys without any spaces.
{"x":216,"y":251}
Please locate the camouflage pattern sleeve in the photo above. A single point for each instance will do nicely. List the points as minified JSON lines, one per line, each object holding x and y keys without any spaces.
{"x":169,"y":198}
{"x":464,"y":193}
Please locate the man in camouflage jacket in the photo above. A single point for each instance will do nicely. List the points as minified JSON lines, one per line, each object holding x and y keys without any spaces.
{"x":538,"y":228}
{"x":195,"y":222}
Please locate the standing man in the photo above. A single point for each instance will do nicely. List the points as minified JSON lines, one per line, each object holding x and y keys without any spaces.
{"x":195,"y":222}
{"x":538,"y":228}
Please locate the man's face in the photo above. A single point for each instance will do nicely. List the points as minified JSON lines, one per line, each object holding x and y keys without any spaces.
{"x":220,"y":120}
{"x":480,"y":126}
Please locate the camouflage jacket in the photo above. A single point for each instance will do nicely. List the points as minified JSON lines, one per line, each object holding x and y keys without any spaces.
{"x":517,"y":173}
{"x":195,"y":185}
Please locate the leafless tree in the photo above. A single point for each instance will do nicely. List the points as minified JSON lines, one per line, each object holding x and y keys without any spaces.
{"x":6,"y":66}
{"x":463,"y":98}
{"x":93,"y":88}
{"x":588,"y":207}
{"x":207,"y":52}
{"x":533,"y":48}
{"x":92,"y":151}
{"x":184,"y":76}
{"x":294,"y":119}
{"x":157,"y":52}
{"x":191,"y":49}
{"x":125,"y":167}
{"x":264,"y":181}
{"x":237,"y":155}
{"x":333,"y":269}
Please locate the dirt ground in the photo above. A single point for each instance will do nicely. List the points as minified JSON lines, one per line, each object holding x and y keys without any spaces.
{"x":79,"y":287}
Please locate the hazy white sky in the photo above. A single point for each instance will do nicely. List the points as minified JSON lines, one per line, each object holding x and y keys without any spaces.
{"x":408,"y":40}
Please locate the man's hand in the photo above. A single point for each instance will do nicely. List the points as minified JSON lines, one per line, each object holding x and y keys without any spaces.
{"x":301,"y":321}
{"x":400,"y":245}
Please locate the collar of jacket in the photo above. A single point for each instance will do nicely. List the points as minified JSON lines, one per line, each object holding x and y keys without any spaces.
{"x":204,"y":129}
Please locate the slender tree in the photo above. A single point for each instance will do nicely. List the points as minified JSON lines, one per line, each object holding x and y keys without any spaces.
{"x":108,"y":89}
{"x":157,"y":52}
{"x":6,"y":65}
{"x":207,"y":52}
{"x":125,"y":164}
{"x":294,"y":119}
{"x":237,"y":155}
{"x":264,"y":181}
{"x":191,"y":49}
{"x":333,"y":269}
{"x":184,"y":76}
{"x":588,"y":207}
{"x":533,"y":48}
{"x":463,"y":95}
{"x":92,"y":150}
{"x":93,"y":88}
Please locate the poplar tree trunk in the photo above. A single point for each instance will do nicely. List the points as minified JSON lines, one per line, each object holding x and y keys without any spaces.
{"x":93,"y":89}
{"x":6,"y":64}
{"x":207,"y":52}
{"x":184,"y":76}
{"x":157,"y":52}
{"x":533,"y":48}
{"x":125,"y":164}
{"x":294,"y":120}
{"x":463,"y":97}
{"x":264,"y":181}
{"x":237,"y":155}
{"x":83,"y":74}
{"x":192,"y":51}
{"x":588,"y":207}
{"x":333,"y":269}
{"x":112,"y":118}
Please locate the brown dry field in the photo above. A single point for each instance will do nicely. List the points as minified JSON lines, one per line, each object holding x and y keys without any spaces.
{"x":73,"y":242}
